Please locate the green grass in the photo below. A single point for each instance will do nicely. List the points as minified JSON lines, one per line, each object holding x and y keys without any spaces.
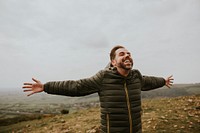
{"x":160,"y":115}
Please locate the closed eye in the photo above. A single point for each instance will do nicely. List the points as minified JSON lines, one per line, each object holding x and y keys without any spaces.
{"x":121,"y":54}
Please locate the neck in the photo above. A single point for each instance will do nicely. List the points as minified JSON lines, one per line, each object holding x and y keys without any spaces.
{"x":123,"y":72}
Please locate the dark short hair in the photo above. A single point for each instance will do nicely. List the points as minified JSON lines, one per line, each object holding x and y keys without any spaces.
{"x":112,"y":52}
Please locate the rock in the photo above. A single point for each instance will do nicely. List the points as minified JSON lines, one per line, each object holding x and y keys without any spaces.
{"x":28,"y":125}
{"x":162,"y":117}
{"x":197,"y":108}
{"x":62,"y":121}
{"x":175,"y":126}
{"x":64,"y":111}
{"x":67,"y":131}
{"x":91,"y":131}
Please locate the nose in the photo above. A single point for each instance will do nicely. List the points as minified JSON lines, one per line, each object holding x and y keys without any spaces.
{"x":128,"y":55}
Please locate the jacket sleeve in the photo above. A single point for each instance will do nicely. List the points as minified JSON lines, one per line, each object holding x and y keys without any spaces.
{"x":80,"y":87}
{"x":150,"y":82}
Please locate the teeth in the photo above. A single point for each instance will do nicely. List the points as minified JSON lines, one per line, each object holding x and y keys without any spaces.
{"x":127,"y":60}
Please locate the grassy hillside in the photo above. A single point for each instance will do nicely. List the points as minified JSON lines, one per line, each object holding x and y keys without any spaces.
{"x":160,"y":115}
{"x":176,"y":90}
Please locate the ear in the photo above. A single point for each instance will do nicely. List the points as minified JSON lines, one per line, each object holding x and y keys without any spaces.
{"x":113,"y":62}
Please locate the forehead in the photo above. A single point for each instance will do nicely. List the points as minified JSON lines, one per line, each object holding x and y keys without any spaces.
{"x":121,"y":50}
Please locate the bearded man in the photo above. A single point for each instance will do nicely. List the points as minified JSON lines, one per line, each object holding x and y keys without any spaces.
{"x":119,"y":88}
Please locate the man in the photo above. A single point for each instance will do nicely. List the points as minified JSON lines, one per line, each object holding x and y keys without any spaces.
{"x":119,"y":89}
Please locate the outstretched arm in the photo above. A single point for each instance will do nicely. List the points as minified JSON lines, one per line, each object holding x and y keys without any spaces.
{"x":150,"y":82}
{"x":80,"y":87}
{"x":33,"y":87}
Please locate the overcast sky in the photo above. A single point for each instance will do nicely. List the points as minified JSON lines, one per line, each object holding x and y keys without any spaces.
{"x":71,"y":39}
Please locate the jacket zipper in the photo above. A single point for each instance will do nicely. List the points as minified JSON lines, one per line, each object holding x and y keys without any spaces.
{"x":129,"y":107}
{"x":108,"y":123}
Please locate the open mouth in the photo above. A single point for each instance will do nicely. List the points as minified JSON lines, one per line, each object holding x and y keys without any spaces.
{"x":128,"y":61}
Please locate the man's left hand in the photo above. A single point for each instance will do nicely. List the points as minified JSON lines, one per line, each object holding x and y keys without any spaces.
{"x":169,"y":81}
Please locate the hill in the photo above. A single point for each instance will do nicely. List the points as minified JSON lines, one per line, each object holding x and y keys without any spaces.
{"x":176,"y":90}
{"x":160,"y":115}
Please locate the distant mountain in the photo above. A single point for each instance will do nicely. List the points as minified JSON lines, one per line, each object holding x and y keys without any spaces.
{"x":42,"y":98}
{"x":176,"y":90}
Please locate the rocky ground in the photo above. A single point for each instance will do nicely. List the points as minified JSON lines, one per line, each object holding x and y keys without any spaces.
{"x":160,"y":115}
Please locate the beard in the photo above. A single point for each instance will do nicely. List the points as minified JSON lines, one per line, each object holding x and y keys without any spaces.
{"x":124,"y":65}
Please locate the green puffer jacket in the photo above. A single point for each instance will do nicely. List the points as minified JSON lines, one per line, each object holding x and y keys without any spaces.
{"x":120,"y":97}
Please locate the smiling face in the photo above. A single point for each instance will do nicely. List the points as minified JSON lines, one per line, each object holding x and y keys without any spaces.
{"x":123,"y":59}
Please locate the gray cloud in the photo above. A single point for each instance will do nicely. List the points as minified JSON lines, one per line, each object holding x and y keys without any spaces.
{"x":56,"y":39}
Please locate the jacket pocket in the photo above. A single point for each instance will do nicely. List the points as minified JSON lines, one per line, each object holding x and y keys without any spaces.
{"x":108,"y":123}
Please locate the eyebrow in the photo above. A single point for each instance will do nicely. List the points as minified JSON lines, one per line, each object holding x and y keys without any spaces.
{"x":124,"y":53}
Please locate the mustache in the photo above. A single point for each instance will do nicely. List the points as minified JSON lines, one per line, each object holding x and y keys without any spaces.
{"x":127,"y":58}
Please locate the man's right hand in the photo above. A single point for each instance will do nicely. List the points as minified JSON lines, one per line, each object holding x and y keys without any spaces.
{"x":33,"y":87}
